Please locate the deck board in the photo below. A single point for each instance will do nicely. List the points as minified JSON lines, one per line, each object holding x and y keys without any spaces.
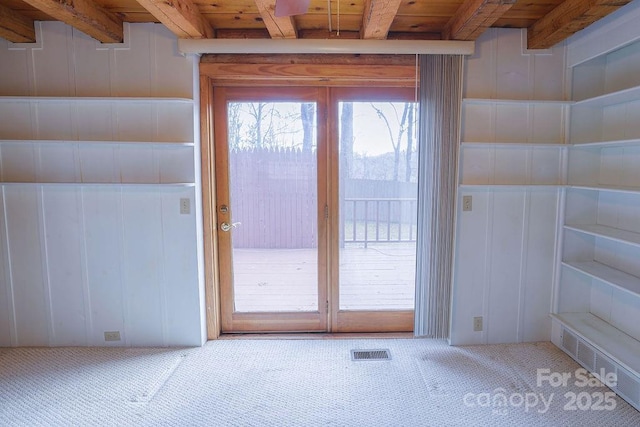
{"x":380,"y":277}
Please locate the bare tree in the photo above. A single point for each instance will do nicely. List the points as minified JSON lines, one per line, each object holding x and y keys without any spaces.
{"x":307,"y":113}
{"x":346,"y":138}
{"x":408,"y":154}
{"x":395,"y":141}
{"x":346,"y":156}
{"x":234,"y":125}
{"x":256,"y":110}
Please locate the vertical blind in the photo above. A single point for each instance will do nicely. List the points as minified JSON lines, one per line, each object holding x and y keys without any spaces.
{"x":440,"y":98}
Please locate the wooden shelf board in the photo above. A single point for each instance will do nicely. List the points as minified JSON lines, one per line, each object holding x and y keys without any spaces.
{"x":615,"y":344}
{"x":515,"y":101}
{"x":611,"y":233}
{"x":123,"y":99}
{"x":599,"y":144}
{"x":60,"y":141}
{"x":619,"y":97}
{"x":610,"y":188}
{"x":514,"y":144}
{"x":611,"y":276}
{"x":101,"y":184}
{"x":509,"y":186}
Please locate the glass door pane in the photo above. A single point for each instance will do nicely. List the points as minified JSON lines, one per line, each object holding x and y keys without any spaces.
{"x":377,"y":196}
{"x":273,"y":200}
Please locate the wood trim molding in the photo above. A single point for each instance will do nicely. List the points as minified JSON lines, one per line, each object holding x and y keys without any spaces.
{"x":211,"y":279}
{"x":310,"y":70}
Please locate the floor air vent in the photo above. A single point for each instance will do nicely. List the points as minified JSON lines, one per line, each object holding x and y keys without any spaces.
{"x":358,"y":355}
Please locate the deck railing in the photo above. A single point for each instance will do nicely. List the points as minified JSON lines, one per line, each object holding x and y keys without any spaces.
{"x":379,"y":220}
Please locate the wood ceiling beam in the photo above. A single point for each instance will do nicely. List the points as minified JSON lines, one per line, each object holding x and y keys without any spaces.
{"x":474,"y":17}
{"x":377,"y":18}
{"x":568,"y":18}
{"x":282,"y":27}
{"x":15,"y":27}
{"x":181,"y":17}
{"x":85,"y":16}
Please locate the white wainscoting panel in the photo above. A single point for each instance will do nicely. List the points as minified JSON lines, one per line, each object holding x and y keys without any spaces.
{"x":504,"y":266}
{"x":98,"y":144}
{"x":84,"y":260}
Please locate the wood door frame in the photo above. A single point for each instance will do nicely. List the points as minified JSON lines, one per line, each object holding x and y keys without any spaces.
{"x":343,"y":321}
{"x":209,"y":211}
{"x":275,"y":70}
{"x":304,"y":321}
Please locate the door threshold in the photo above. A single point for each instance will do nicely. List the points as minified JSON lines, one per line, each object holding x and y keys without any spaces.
{"x":316,"y":336}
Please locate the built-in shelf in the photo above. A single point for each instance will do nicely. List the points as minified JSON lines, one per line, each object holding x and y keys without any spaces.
{"x":514,"y":101}
{"x":619,"y":97}
{"x":615,"y":344}
{"x":623,"y":236}
{"x":83,"y":142}
{"x":513,"y":144}
{"x":604,"y":273}
{"x":101,"y":184}
{"x":610,"y":188}
{"x":124,"y":99}
{"x":509,"y":186}
{"x":601,"y":144}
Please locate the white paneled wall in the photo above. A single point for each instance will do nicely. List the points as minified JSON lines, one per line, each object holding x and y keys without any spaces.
{"x":67,"y":62}
{"x":91,"y":234}
{"x":504,"y":266}
{"x":502,"y":68}
{"x":511,"y":163}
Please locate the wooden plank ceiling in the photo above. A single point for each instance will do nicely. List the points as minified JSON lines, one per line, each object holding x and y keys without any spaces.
{"x":548,"y":21}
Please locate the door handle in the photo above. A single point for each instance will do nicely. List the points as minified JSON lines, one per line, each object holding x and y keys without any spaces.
{"x":225,"y":226}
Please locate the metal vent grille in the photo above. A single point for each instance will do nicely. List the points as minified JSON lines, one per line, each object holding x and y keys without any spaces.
{"x":370,"y":355}
{"x":569,"y":342}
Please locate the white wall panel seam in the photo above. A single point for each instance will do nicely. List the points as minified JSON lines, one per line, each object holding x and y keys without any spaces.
{"x":72,"y":89}
{"x":9,"y":274}
{"x":486,"y":285}
{"x":163,"y":274}
{"x":558,"y":250}
{"x":524,"y":246}
{"x":152,"y":61}
{"x":126,"y":315}
{"x":494,"y":63}
{"x":153,"y":73}
{"x":31,"y":65}
{"x":155,"y":157}
{"x":88,"y":313}
{"x":46,"y":275}
{"x":113,"y":73}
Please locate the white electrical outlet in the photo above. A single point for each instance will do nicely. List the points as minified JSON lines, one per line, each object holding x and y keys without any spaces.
{"x":112,"y":336}
{"x":185,"y":206}
{"x":467,"y":203}
{"x":477,"y":324}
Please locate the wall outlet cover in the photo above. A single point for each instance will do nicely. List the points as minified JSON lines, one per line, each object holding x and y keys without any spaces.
{"x":112,"y":336}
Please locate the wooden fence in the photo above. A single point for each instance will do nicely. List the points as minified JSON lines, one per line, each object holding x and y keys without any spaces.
{"x":274,"y":203}
{"x":273,"y":197}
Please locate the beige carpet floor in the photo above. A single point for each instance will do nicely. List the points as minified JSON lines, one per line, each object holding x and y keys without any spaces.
{"x":302,"y":383}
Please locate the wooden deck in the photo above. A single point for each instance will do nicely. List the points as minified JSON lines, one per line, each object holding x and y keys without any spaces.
{"x":380,"y":277}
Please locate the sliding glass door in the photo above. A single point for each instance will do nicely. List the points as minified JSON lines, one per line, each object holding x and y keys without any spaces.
{"x":316,"y":206}
{"x":271,"y":232}
{"x":376,"y":172}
